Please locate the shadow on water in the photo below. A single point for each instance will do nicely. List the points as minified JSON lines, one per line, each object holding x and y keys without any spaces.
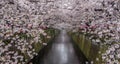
{"x":60,"y":50}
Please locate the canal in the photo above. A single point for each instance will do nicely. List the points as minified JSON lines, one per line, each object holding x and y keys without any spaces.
{"x":61,"y":50}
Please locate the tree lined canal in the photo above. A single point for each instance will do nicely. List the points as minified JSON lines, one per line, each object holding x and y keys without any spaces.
{"x":62,"y":50}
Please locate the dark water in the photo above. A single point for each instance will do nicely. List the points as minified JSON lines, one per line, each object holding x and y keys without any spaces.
{"x":61,"y":50}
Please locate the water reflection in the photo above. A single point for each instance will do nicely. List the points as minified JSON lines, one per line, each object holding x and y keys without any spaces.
{"x":62,"y":51}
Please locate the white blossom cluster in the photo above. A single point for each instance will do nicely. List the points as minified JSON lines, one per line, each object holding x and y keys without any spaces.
{"x":16,"y":45}
{"x":19,"y":32}
{"x":103,"y":23}
{"x":17,"y":40}
{"x":112,"y":55}
{"x":97,"y":17}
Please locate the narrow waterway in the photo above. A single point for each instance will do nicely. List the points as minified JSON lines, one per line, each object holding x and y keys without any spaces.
{"x":62,"y":50}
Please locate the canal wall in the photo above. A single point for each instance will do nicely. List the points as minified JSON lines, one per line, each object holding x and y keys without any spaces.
{"x":92,"y":51}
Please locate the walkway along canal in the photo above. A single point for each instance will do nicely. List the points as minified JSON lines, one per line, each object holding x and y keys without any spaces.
{"x":62,"y":50}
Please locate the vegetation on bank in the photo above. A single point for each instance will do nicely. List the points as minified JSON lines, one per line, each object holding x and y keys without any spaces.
{"x":21,"y":47}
